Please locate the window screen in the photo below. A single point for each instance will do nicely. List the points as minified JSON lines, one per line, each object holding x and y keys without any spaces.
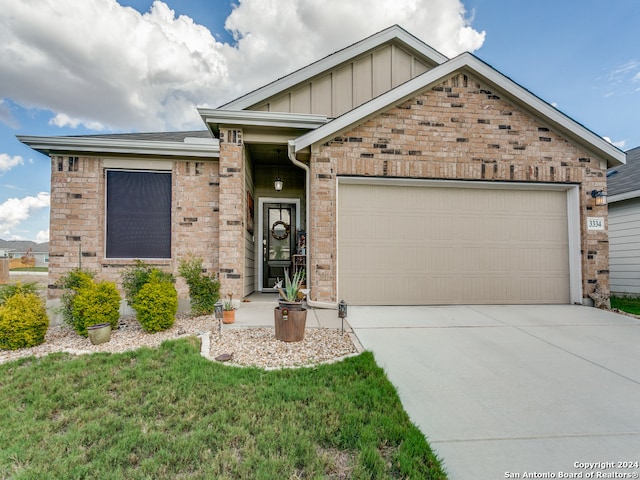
{"x":138,"y":214}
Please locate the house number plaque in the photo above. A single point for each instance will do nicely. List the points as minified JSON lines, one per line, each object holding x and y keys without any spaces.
{"x":595,"y":223}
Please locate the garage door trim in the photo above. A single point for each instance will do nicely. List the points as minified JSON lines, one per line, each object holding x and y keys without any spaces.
{"x":573,"y":214}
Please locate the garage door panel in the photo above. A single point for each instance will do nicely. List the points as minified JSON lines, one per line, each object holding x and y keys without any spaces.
{"x":444,"y":245}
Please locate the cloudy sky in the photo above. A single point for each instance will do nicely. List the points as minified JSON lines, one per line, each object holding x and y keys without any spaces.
{"x":74,"y":67}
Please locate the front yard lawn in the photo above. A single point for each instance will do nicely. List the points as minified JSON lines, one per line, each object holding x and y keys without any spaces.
{"x":170,"y":413}
{"x":626,"y":304}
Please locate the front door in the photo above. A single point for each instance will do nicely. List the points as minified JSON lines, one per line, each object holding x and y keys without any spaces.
{"x":278,"y":241}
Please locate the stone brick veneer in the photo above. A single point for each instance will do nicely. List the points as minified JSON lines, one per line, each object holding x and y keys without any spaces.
{"x":458,"y":129}
{"x":78,"y":218}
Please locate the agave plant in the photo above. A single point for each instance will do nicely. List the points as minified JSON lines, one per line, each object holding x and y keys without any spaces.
{"x":291,"y":285}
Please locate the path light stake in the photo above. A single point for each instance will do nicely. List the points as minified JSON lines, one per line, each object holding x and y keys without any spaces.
{"x":217,"y":310}
{"x":342,"y":313}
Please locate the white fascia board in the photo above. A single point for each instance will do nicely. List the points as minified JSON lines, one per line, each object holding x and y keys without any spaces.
{"x":333,"y":60}
{"x":623,"y":196}
{"x":614,"y":155}
{"x":115,"y":146}
{"x":261,"y":119}
{"x":463,"y":62}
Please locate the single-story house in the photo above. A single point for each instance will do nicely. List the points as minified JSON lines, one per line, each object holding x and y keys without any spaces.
{"x":623,"y":187}
{"x":16,"y":249}
{"x":394,"y":174}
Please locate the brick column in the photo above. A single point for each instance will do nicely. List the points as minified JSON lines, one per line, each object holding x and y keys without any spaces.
{"x":231,"y":215}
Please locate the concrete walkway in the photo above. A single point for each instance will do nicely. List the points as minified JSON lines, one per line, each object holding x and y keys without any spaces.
{"x":257,"y":311}
{"x":501,"y":391}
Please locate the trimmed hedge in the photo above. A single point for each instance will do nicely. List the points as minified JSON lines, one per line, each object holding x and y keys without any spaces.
{"x":23,"y":321}
{"x":94,"y":304}
{"x":156,"y":305}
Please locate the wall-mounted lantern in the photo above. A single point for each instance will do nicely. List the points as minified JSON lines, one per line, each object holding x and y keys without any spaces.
{"x":600,"y":196}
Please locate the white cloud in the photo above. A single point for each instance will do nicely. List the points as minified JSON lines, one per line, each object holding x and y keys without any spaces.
{"x":6,"y":116}
{"x":7,"y":162}
{"x":42,"y":236}
{"x":16,"y":210}
{"x":106,"y":66}
{"x":621,"y":144}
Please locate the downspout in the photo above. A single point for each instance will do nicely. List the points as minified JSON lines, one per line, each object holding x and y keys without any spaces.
{"x":307,"y":183}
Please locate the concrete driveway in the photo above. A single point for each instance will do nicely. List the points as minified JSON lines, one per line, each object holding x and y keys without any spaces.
{"x":500,"y":391}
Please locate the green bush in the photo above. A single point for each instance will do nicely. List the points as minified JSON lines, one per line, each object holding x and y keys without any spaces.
{"x":134,"y":278}
{"x":7,"y":291}
{"x":204,"y":290}
{"x":94,"y":304}
{"x":23,"y":320}
{"x":72,"y":282}
{"x":156,"y":304}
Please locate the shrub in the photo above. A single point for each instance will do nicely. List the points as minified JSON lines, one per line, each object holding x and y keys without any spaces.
{"x":134,"y":278}
{"x":156,"y":304}
{"x":72,"y":282}
{"x":23,"y":320}
{"x":7,"y":291}
{"x":96,"y":303}
{"x":204,"y":290}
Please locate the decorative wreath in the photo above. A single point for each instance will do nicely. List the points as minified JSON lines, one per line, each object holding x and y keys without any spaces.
{"x":287,"y":229}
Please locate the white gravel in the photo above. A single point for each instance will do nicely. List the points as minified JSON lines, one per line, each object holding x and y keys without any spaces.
{"x":249,"y":346}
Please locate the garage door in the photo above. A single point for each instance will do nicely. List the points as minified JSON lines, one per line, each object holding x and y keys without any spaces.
{"x":434,"y":245}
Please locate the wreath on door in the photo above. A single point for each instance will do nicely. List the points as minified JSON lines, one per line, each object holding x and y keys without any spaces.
{"x":280,"y":236}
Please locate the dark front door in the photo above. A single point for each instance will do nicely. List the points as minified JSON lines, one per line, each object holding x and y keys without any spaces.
{"x":278,"y":241}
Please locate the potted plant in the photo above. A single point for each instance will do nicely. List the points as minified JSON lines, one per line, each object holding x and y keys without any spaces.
{"x":228,"y":310}
{"x":290,"y":317}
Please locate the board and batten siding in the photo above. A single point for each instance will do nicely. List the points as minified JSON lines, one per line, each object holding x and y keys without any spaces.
{"x":624,"y":247}
{"x":349,"y":85}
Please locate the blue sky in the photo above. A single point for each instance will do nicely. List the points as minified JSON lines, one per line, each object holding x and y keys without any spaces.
{"x":103,"y":66}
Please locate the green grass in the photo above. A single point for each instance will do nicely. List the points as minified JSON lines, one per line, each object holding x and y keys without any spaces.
{"x":30,"y":269}
{"x":170,"y":413}
{"x":626,"y":304}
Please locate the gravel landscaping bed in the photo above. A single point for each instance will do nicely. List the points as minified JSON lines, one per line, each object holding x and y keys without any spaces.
{"x":248,"y":346}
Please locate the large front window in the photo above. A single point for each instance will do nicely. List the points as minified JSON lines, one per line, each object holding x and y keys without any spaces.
{"x":138,"y":214}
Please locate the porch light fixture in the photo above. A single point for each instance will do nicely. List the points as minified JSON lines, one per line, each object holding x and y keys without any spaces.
{"x":600,"y":196}
{"x":278,"y":183}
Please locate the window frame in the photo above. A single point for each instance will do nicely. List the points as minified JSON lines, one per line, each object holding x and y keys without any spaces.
{"x":107,"y":170}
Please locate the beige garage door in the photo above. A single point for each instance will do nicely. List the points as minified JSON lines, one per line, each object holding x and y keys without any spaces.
{"x":419,"y":245}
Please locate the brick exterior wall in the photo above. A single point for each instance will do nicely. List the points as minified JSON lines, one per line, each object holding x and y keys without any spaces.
{"x":459,"y":129}
{"x":231,"y":238}
{"x":78,"y":218}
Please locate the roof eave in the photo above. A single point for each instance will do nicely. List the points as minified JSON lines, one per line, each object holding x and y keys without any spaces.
{"x":214,"y":118}
{"x":623,"y":196}
{"x":48,"y":145}
{"x":466,"y":61}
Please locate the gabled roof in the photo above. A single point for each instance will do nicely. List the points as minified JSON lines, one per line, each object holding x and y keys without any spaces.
{"x":623,"y":181}
{"x":464,"y":63}
{"x":197,"y":143}
{"x":394,"y":34}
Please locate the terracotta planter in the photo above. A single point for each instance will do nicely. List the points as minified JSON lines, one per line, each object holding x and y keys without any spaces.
{"x":228,"y":316}
{"x":291,"y":329}
{"x":100,"y":333}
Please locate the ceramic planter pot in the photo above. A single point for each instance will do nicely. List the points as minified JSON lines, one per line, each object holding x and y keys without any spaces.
{"x":290,"y":305}
{"x":100,"y":333}
{"x":228,"y":316}
{"x":290,"y":324}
